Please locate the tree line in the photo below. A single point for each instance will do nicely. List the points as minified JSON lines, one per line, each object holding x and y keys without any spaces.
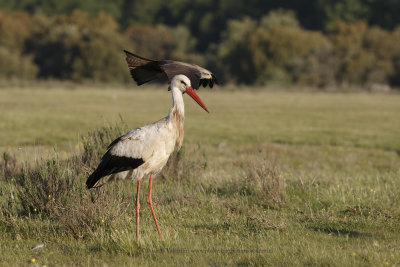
{"x":338,"y":46}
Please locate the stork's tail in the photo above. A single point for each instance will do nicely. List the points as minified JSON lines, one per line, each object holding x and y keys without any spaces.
{"x":93,"y":179}
{"x":111,"y":164}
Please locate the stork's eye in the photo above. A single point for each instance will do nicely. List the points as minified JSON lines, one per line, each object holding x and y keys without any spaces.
{"x":183,"y":83}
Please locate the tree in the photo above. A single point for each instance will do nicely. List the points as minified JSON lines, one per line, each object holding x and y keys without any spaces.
{"x":15,"y":28}
{"x":234,"y":53}
{"x":78,"y":47}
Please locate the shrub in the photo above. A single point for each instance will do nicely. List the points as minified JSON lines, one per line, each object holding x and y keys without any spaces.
{"x":152,"y":41}
{"x":56,"y":190}
{"x":234,"y":53}
{"x":15,"y":28}
{"x":77,"y":47}
{"x":8,"y":166}
{"x":264,"y":181}
{"x":318,"y":68}
{"x":181,"y":166}
{"x":366,"y":54}
{"x":256,"y":52}
{"x":14,"y":65}
{"x":265,"y":177}
{"x":276,"y":48}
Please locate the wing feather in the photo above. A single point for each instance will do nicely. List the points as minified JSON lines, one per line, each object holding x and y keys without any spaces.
{"x":111,"y":164}
{"x":172,"y":68}
{"x":114,"y":161}
{"x":144,"y":70}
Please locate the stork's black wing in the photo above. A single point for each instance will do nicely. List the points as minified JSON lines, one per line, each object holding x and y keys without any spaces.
{"x":172,"y":68}
{"x":144,"y":70}
{"x":111,"y":164}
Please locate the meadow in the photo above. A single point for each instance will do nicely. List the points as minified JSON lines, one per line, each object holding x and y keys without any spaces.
{"x":268,"y":177}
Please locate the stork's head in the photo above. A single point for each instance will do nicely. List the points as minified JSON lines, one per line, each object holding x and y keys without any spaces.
{"x":182,"y":83}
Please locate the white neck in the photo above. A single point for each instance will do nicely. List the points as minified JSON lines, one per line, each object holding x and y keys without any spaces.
{"x":176,"y":115}
{"x":177,"y":101}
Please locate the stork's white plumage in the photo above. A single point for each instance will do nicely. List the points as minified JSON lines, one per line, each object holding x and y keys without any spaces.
{"x":144,"y":151}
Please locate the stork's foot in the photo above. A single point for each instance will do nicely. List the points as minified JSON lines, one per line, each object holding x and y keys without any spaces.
{"x":150,"y":202}
{"x":137,"y":210}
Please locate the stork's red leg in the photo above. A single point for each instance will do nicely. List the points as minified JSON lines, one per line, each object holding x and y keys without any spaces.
{"x":150,"y":202}
{"x":137,"y":210}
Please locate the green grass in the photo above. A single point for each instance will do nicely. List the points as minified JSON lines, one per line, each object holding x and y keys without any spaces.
{"x":274,"y":178}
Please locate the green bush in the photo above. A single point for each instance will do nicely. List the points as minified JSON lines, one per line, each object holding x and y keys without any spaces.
{"x":366,"y":53}
{"x":318,"y":68}
{"x":277,"y":47}
{"x":256,"y":52}
{"x":161,"y":42}
{"x":234,"y":52}
{"x":76,"y":47}
{"x":56,"y":190}
{"x":15,"y":28}
{"x":14,"y":65}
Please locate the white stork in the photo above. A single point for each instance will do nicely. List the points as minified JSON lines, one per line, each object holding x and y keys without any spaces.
{"x":144,"y":151}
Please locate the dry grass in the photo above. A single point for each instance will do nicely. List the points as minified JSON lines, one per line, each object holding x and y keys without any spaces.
{"x":296,"y":200}
{"x":265,"y":176}
{"x":8,"y":166}
{"x":54,"y":189}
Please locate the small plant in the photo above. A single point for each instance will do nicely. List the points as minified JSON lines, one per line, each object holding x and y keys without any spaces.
{"x":265,"y":178}
{"x":8,"y":166}
{"x":96,"y":142}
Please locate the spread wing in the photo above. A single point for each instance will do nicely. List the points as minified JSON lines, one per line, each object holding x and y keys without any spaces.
{"x":144,"y":70}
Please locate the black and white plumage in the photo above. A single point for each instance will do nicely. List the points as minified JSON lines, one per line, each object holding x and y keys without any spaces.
{"x":144,"y":151}
{"x":144,"y":70}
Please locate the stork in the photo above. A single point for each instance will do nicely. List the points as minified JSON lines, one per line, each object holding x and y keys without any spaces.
{"x":144,"y":151}
{"x":144,"y":70}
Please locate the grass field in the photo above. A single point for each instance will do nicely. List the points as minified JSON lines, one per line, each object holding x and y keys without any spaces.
{"x":276,"y":178}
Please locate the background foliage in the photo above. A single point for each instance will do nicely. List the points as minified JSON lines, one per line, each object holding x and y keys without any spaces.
{"x":320,"y":43}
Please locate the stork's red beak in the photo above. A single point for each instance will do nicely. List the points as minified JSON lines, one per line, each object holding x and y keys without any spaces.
{"x":190,"y":91}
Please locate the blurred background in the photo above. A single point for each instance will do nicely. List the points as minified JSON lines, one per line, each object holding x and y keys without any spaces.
{"x":314,"y":43}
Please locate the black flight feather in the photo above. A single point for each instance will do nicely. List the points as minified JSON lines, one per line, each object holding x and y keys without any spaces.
{"x":144,"y":70}
{"x":111,"y":164}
